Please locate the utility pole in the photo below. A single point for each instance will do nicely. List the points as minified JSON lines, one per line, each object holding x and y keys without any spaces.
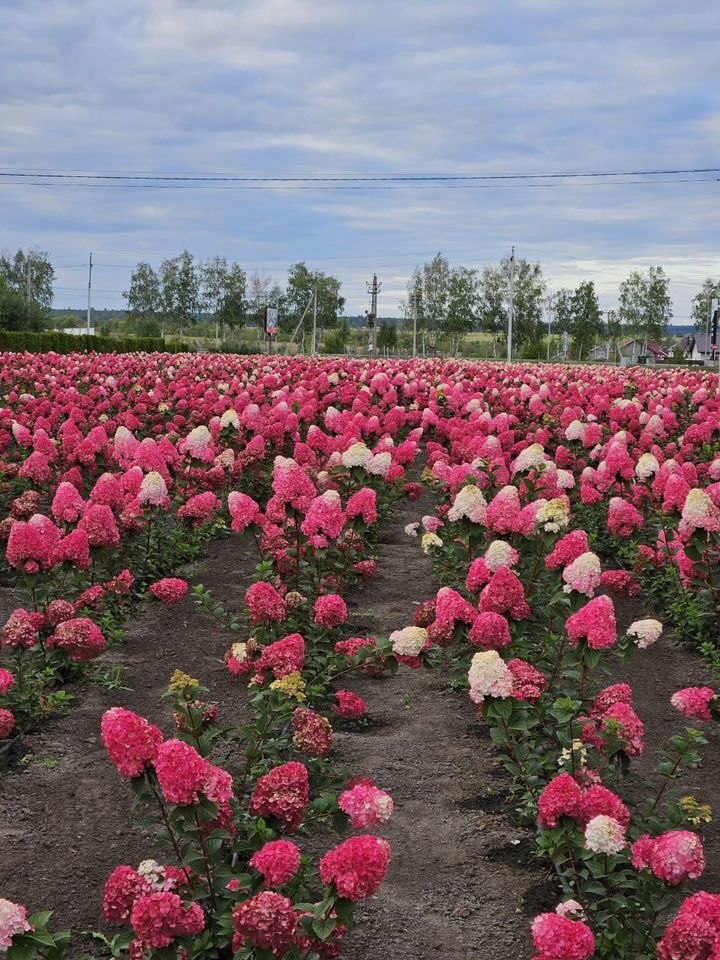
{"x":314,"y":330}
{"x":373,"y":289}
{"x":413,"y":300}
{"x":510,"y":311}
{"x":87,"y":325}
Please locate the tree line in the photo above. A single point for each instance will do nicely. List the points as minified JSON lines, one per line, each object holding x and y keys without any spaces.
{"x":444,"y":303}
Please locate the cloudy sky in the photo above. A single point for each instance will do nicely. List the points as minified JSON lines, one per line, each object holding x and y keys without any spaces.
{"x":335,"y":87}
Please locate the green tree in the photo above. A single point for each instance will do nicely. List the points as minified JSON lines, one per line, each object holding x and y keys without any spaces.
{"x":337,"y":339}
{"x":17,"y":312}
{"x":645,"y":305}
{"x":144,"y":301}
{"x":180,"y":289}
{"x":462,"y":304}
{"x":387,"y":336}
{"x":528,"y":293}
{"x":29,"y":271}
{"x":222,"y":292}
{"x":586,"y":323}
{"x":701,"y":302}
{"x":301,"y":284}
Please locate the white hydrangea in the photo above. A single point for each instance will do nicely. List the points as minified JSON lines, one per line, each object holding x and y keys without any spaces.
{"x":357,"y":455}
{"x":469,"y":502}
{"x":646,"y":632}
{"x":230,"y":419}
{"x":646,"y":467}
{"x":429,"y":542}
{"x":604,"y":834}
{"x":489,"y":676}
{"x":409,"y":641}
{"x":529,"y":459}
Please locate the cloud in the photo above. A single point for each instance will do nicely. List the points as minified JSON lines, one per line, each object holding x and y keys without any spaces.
{"x":272,"y":87}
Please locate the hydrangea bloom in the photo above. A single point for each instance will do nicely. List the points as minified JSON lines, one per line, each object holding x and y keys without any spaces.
{"x":357,"y":867}
{"x":160,"y":918}
{"x":646,"y":632}
{"x":594,"y":623}
{"x":13,"y":920}
{"x":267,"y":921}
{"x":277,"y":861}
{"x":675,"y":856}
{"x":604,"y":834}
{"x":583,"y":574}
{"x":282,"y":793}
{"x":366,"y":805}
{"x":330,"y":610}
{"x":131,"y":742}
{"x":694,"y":934}
{"x":349,"y":705}
{"x":694,"y":702}
{"x":169,"y":590}
{"x":489,"y":676}
{"x":505,"y":594}
{"x":561,"y":797}
{"x":559,"y":938}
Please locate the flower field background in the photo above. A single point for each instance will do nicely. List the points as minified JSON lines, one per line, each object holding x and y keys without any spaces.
{"x":313,"y":658}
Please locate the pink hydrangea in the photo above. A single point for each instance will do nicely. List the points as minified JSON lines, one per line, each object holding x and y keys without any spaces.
{"x":330,"y":611}
{"x":594,"y":623}
{"x":169,"y":590}
{"x":277,"y":861}
{"x":131,"y":742}
{"x":6,"y":681}
{"x":312,"y":733}
{"x":283,"y":657}
{"x":160,"y":918}
{"x":528,"y":682}
{"x":630,"y":727}
{"x":267,"y":921}
{"x":122,"y":888}
{"x":31,"y":545}
{"x":283,"y":793}
{"x":21,"y":629}
{"x":694,"y":702}
{"x":597,"y":800}
{"x":7,"y":723}
{"x":356,"y":867}
{"x":366,"y":805}
{"x":181,"y":772}
{"x":490,"y":631}
{"x":265,"y":603}
{"x":349,"y":705}
{"x":13,"y":920}
{"x":623,"y":518}
{"x":559,"y":938}
{"x":561,"y":797}
{"x":243,"y":510}
{"x":567,"y":549}
{"x":80,"y":637}
{"x":505,"y":594}
{"x":694,"y":934}
{"x":675,"y":857}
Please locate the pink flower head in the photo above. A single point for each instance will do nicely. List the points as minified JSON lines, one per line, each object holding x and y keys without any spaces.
{"x":265,"y":603}
{"x":451,"y":608}
{"x":284,"y":656}
{"x":616,"y":693}
{"x":31,"y":545}
{"x":80,"y":637}
{"x":505,"y":594}
{"x":695,"y":931}
{"x":7,"y":723}
{"x":312,"y":733}
{"x":267,"y":921}
{"x":13,"y":920}
{"x":623,"y":518}
{"x":356,"y":867}
{"x":67,"y":505}
{"x":131,"y":742}
{"x":583,"y":574}
{"x":675,"y":856}
{"x":694,"y":702}
{"x":349,"y":705}
{"x":528,"y":682}
{"x":503,"y":511}
{"x":123,"y":888}
{"x":243,"y":510}
{"x":562,"y":797}
{"x":629,"y":727}
{"x":283,"y":793}
{"x":169,"y":590}
{"x":490,"y":631}
{"x":200,"y":508}
{"x":594,"y":623}
{"x":160,"y":918}
{"x":278,"y":862}
{"x":21,"y":629}
{"x":560,"y":938}
{"x":366,"y":805}
{"x":182,"y":773}
{"x":6,"y":681}
{"x":567,"y":549}
{"x":98,"y":522}
{"x":330,"y":610}
{"x":597,"y":800}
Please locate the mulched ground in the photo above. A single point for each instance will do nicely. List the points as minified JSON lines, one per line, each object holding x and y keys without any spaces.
{"x":462,"y":882}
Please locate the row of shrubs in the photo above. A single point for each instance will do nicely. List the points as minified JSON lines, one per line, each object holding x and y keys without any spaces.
{"x":52,"y":340}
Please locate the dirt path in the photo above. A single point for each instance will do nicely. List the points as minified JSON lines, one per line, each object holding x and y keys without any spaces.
{"x":65,"y":819}
{"x":442,"y":897}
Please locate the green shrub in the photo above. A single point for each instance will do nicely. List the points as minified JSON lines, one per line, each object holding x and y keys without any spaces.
{"x":57,"y":342}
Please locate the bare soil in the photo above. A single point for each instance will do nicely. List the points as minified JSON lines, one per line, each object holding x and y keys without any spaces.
{"x":462,"y":883}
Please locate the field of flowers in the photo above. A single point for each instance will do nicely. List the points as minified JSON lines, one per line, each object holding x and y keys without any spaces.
{"x":193,"y":546}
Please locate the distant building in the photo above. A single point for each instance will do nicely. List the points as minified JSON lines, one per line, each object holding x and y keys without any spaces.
{"x":634,"y":348}
{"x":79,"y":331}
{"x":697,"y":346}
{"x":602,"y":351}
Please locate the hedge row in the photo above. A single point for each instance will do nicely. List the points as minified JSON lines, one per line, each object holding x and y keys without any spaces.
{"x":52,"y":341}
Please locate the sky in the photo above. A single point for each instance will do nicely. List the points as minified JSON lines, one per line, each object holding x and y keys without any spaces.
{"x":305,"y":88}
